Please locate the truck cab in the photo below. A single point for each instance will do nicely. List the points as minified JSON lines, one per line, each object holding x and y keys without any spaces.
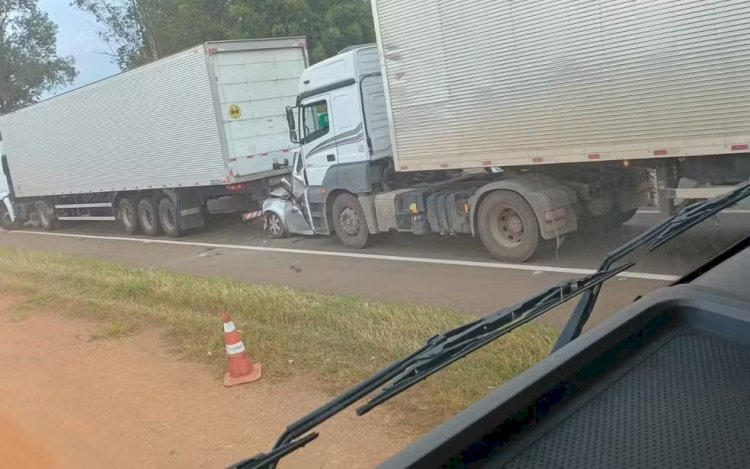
{"x":341,"y":123}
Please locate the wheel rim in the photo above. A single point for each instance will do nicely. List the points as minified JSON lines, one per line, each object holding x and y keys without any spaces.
{"x":128,"y":215}
{"x":274,"y":225}
{"x":148,"y":218}
{"x":169,"y":219}
{"x":43,"y":216}
{"x":508,"y":228}
{"x":6,"y":218}
{"x":349,"y":221}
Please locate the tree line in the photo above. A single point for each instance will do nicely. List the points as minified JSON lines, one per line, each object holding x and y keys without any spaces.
{"x":137,"y":32}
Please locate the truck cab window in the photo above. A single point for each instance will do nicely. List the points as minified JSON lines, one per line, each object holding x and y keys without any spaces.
{"x":316,"y":122}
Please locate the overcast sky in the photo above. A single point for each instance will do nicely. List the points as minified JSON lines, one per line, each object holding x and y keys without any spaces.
{"x":78,"y":37}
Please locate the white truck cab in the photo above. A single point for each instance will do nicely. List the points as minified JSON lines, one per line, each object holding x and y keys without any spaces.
{"x":341,"y":124}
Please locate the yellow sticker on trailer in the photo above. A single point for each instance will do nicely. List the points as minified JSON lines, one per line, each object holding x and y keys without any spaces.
{"x":235,"y":112}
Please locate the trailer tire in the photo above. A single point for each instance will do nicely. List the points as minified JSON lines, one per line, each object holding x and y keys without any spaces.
{"x":148,"y":216}
{"x":508,"y":226}
{"x":127,"y":212}
{"x":46,"y":215}
{"x":169,"y":218}
{"x":349,"y":221}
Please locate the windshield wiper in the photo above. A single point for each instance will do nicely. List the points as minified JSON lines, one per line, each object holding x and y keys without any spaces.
{"x":439,"y":352}
{"x":654,"y":237}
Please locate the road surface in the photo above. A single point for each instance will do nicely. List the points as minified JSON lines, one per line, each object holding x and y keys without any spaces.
{"x":437,"y":271}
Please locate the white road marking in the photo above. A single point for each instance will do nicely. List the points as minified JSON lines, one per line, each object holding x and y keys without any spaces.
{"x":731,"y":211}
{"x":354,"y":255}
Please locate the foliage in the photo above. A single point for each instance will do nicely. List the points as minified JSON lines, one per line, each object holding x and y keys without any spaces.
{"x":330,"y":25}
{"x":29,"y":65}
{"x":141,"y":31}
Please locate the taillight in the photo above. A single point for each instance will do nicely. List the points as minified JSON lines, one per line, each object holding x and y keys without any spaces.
{"x":552,"y":215}
{"x":242,"y":186}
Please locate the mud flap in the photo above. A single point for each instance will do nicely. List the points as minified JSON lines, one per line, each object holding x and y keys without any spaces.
{"x":188,"y":205}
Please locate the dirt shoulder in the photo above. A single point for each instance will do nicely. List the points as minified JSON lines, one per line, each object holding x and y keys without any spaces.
{"x":69,"y":401}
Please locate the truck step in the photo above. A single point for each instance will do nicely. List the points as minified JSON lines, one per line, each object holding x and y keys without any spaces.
{"x":87,"y":218}
{"x":95,"y":205}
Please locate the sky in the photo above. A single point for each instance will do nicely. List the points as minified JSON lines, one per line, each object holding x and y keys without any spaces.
{"x":77,"y":36}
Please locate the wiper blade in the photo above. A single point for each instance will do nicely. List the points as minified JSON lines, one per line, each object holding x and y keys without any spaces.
{"x":654,"y":237}
{"x":447,"y":348}
{"x":694,"y":214}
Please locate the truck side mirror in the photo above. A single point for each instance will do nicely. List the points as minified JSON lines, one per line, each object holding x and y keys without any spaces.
{"x":293,"y":137}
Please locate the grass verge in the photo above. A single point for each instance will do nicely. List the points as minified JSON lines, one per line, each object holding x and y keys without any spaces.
{"x":339,"y":340}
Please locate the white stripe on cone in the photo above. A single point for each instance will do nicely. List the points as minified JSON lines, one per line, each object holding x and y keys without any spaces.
{"x":234,"y":349}
{"x":229,"y":327}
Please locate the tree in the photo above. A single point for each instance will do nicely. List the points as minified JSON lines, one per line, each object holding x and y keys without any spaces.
{"x":346,"y":23}
{"x":330,"y":25}
{"x":29,"y":65}
{"x":141,"y":31}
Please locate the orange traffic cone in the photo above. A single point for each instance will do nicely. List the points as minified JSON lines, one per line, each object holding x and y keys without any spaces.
{"x":241,"y":368}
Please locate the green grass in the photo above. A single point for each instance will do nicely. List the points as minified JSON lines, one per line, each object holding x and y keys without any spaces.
{"x":336,"y":340}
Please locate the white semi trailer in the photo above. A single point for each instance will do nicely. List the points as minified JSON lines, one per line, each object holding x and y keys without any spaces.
{"x":519,"y":121}
{"x":160,"y":147}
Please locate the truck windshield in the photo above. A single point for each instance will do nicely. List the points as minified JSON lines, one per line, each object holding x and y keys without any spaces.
{"x":316,"y":121}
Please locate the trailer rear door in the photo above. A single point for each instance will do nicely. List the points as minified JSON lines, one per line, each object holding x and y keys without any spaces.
{"x":254,"y":87}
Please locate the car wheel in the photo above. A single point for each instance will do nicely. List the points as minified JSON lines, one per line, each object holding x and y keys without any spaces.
{"x":273,"y":226}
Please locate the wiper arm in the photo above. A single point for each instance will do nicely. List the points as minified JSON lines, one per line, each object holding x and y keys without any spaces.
{"x":458,"y":343}
{"x":654,"y":237}
{"x":268,"y":460}
{"x":292,"y":438}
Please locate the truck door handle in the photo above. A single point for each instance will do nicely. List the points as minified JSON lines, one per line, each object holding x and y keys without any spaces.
{"x":331,"y":157}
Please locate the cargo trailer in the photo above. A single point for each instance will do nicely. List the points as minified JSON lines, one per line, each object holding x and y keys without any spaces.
{"x":160,"y":147}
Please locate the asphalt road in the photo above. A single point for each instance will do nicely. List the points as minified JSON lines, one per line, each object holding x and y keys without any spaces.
{"x":434,"y":271}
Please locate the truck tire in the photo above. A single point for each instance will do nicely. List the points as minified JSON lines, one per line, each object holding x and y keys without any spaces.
{"x":5,"y":222}
{"x":148,"y":216}
{"x":349,"y":221}
{"x":127,"y":212}
{"x":46,"y":215}
{"x":618,"y":218}
{"x":169,"y":218}
{"x":508,"y":226}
